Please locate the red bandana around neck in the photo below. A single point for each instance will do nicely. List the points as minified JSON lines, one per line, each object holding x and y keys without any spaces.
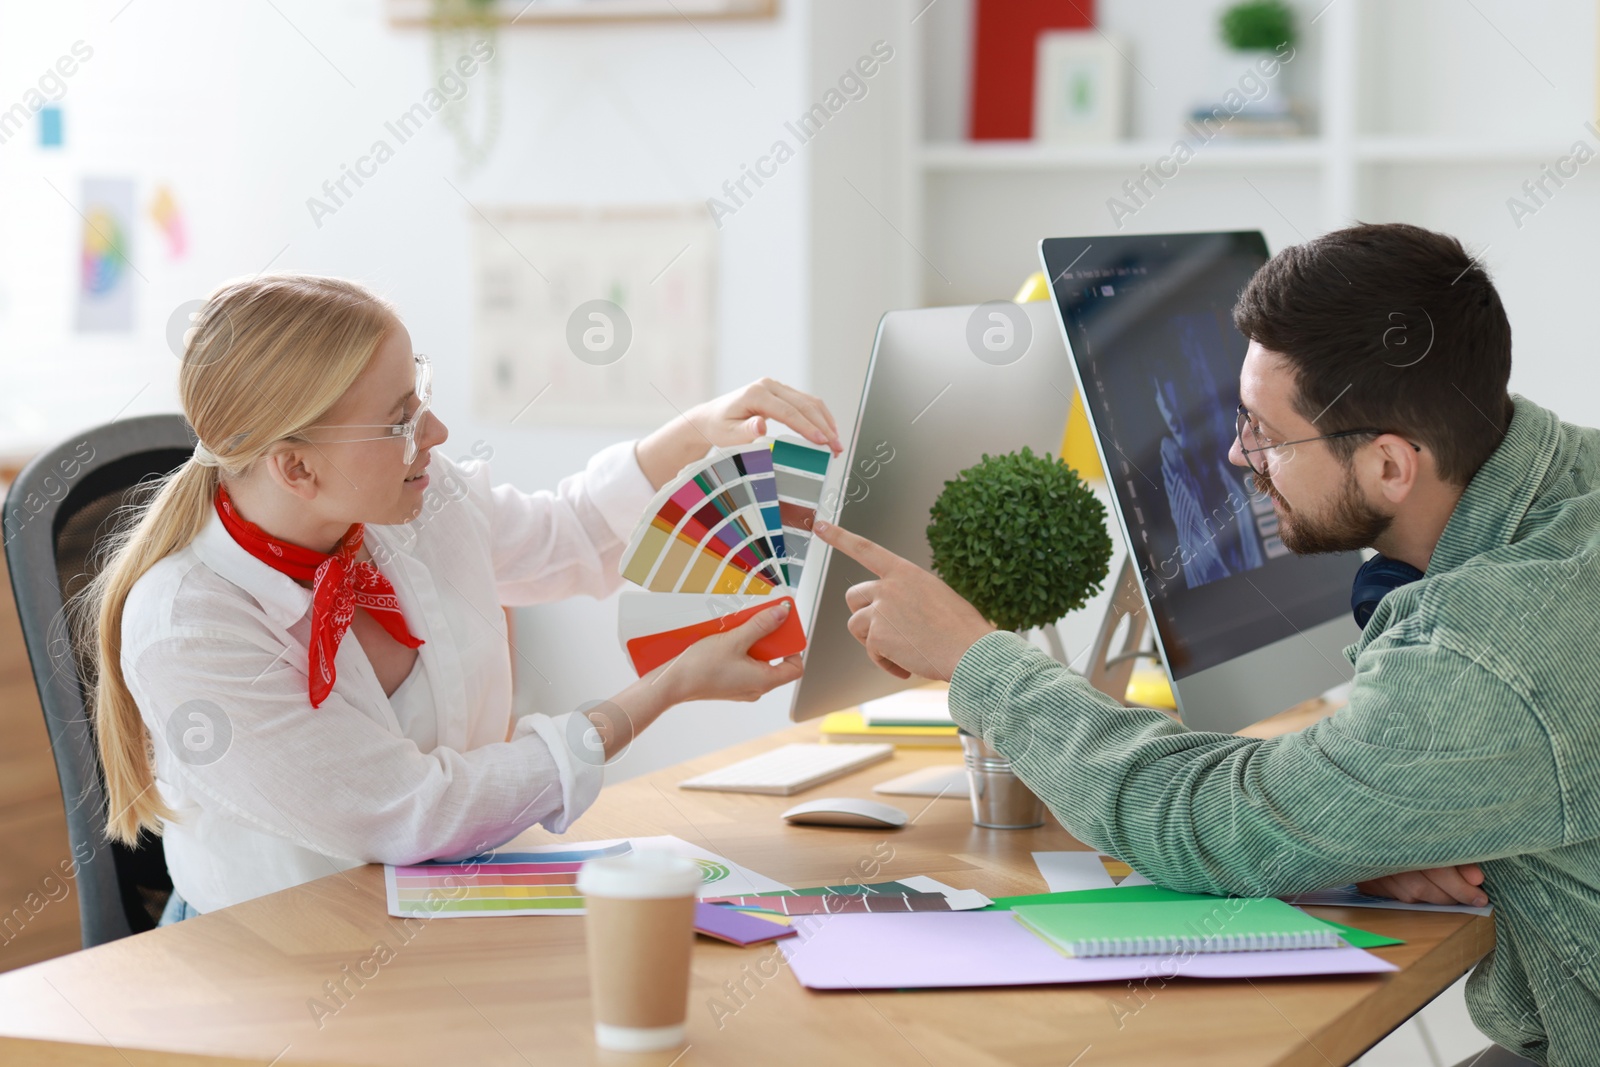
{"x":339,"y":584}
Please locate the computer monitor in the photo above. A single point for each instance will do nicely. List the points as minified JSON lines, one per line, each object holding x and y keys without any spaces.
{"x":1246,"y":628}
{"x":944,"y":386}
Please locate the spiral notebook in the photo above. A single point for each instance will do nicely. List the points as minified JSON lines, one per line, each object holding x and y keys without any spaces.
{"x":1157,"y":928}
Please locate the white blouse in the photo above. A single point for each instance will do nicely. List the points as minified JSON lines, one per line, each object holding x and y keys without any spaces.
{"x":412,"y":702}
{"x":270,"y":792}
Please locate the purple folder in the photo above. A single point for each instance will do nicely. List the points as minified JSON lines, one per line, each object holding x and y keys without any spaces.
{"x":728,"y":924}
{"x":934,"y":950}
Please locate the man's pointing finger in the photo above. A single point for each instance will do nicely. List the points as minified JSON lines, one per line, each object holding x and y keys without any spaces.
{"x":869,"y":554}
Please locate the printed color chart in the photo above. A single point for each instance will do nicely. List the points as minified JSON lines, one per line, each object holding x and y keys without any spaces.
{"x":541,"y":880}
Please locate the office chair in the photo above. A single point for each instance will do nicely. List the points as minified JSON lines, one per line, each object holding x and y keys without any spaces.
{"x":55,"y":514}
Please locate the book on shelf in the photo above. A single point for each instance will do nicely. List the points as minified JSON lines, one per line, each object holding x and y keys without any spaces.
{"x":1244,"y":126}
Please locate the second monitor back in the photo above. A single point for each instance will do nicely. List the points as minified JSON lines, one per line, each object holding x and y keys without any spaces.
{"x":937,"y":398}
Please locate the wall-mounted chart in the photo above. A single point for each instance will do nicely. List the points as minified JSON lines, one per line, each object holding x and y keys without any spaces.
{"x":587,"y":316}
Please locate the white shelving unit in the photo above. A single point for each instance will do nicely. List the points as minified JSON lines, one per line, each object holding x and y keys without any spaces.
{"x":1445,"y":150}
{"x":1003,"y":156}
{"x":1433,"y":112}
{"x":1389,"y":118}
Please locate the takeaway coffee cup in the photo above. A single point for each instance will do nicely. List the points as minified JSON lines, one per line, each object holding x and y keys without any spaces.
{"x":639,"y":914}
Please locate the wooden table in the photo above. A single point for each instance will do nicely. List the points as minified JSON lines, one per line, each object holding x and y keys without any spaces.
{"x":242,"y":985}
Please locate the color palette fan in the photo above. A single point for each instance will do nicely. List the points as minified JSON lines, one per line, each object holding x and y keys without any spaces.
{"x":724,"y":539}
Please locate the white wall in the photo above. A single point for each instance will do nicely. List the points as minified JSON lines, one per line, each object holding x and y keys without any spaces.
{"x":234,"y":107}
{"x":1515,"y":71}
{"x":860,"y":206}
{"x":237,"y":110}
{"x":245,"y":110}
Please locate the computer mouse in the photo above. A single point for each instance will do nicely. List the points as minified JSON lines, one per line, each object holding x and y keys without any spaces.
{"x":846,"y":811}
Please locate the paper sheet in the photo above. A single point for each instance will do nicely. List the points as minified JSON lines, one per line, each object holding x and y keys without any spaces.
{"x":991,"y":948}
{"x":1065,"y":871}
{"x":960,"y":899}
{"x":947,"y":782}
{"x":927,"y":706}
{"x":842,"y":904}
{"x":1351,"y":897}
{"x":542,"y":880}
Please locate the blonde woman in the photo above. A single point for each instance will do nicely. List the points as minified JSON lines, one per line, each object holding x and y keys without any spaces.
{"x":295,"y":677}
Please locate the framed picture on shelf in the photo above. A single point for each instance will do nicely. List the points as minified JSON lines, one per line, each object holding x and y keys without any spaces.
{"x":530,"y":12}
{"x":1080,"y":88}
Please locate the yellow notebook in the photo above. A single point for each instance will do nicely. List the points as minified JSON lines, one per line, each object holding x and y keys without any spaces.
{"x":849,"y":726}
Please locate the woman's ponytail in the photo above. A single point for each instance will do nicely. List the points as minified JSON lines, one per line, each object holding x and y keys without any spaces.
{"x":177,"y":510}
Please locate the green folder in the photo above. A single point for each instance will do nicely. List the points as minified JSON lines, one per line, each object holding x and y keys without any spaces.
{"x":1144,"y":894}
{"x":1216,"y":924}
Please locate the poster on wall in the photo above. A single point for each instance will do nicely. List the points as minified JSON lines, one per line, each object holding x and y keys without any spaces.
{"x":591,"y":318}
{"x":168,"y":217}
{"x":105,"y":271}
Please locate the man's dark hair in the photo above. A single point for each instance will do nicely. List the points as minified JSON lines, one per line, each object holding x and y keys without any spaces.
{"x":1389,"y":327}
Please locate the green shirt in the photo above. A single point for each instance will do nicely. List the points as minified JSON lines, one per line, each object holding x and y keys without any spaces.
{"x":1472,"y":734}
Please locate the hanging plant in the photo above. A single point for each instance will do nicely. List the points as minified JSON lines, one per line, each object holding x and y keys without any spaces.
{"x":457,"y":25}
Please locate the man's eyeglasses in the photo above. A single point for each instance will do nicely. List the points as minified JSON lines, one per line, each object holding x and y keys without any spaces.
{"x":1250,"y":438}
{"x":406,"y":429}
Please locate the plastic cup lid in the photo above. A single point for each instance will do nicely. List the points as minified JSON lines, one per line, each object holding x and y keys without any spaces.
{"x":645,"y":874}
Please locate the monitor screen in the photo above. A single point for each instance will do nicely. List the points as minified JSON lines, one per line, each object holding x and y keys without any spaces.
{"x":931,"y":407}
{"x":1148,"y":321}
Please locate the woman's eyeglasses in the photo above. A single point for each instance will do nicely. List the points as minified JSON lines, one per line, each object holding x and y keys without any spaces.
{"x":1249,"y":438}
{"x":406,"y":429}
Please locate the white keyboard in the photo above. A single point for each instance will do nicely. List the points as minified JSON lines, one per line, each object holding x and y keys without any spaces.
{"x":790,"y":769}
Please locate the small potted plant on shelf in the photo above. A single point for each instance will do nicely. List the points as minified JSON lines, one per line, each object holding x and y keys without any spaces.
{"x":1258,"y":25}
{"x":1024,"y":540}
{"x":1253,"y":86}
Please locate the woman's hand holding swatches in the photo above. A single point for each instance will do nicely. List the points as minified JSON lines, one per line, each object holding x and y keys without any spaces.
{"x":735,"y":418}
{"x":718,"y":667}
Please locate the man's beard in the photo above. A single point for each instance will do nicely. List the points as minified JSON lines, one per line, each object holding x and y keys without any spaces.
{"x":1353,"y":523}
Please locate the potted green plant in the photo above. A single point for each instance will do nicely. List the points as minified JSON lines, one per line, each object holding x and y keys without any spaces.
{"x":1260,"y":39}
{"x":1023,"y":539}
{"x":1258,"y":25}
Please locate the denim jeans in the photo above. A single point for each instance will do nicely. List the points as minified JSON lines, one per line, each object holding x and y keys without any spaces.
{"x":177,"y":910}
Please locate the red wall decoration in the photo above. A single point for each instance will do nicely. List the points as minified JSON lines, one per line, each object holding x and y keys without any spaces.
{"x":1004,"y":37}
